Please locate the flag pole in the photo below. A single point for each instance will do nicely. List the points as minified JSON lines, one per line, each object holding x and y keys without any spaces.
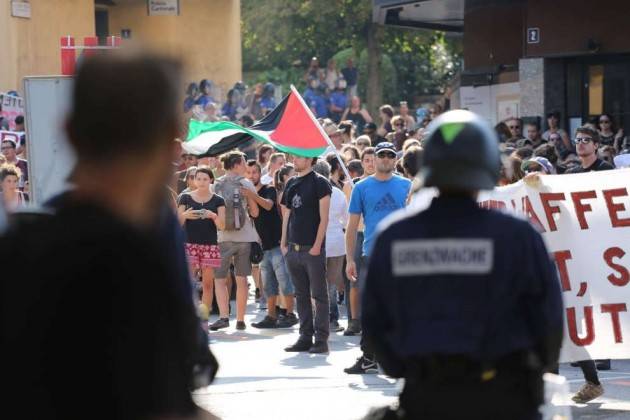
{"x":321,"y":131}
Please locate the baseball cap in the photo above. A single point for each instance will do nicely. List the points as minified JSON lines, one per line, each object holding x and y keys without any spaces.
{"x":370,"y":126}
{"x":546,"y":166}
{"x":384,"y":146}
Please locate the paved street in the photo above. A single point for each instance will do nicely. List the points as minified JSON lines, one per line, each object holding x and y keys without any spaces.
{"x":259,"y":380}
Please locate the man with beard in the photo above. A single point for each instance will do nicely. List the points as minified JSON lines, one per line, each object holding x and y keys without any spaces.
{"x":305,"y":206}
{"x":275,"y":276}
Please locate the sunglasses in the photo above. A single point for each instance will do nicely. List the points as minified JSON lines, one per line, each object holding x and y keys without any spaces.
{"x":399,"y":125}
{"x":389,"y":155}
{"x":514,"y":127}
{"x":584,"y":140}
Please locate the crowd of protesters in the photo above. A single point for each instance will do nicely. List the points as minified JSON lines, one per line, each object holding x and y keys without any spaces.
{"x":301,"y":227}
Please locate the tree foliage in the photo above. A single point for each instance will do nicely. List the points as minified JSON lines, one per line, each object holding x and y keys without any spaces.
{"x":281,"y":36}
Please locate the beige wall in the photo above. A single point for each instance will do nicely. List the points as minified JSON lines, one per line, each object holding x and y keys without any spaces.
{"x":206,"y":35}
{"x":31,"y":46}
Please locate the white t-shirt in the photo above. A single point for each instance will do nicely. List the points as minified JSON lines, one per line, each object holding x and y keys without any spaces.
{"x":266,"y":179}
{"x":337,"y":221}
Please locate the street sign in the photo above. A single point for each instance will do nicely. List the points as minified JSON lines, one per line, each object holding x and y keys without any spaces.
{"x":533,"y":35}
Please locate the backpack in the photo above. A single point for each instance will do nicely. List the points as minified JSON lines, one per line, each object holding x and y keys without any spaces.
{"x":229,"y":187}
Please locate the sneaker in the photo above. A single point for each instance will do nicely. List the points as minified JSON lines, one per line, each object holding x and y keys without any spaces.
{"x":288,"y":321}
{"x":302,"y":345}
{"x":267,"y":322}
{"x":603,"y":364}
{"x":319,"y":347}
{"x":362,"y":366}
{"x":220,"y":323}
{"x":588,"y":392}
{"x":281,"y":311}
{"x":354,"y":328}
{"x":335,"y":327}
{"x":240,"y":325}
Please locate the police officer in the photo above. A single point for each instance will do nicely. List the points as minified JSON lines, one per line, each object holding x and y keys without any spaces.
{"x":460,"y":301}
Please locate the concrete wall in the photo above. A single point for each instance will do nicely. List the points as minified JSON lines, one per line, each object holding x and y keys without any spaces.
{"x":31,"y":46}
{"x":206,"y":35}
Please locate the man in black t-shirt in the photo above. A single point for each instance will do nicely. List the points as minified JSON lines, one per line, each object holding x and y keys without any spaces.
{"x":275,"y":276}
{"x":123,"y":344}
{"x":586,"y":142}
{"x":305,"y":205}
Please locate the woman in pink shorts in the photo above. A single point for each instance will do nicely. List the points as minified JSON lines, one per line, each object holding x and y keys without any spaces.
{"x":202,"y":212}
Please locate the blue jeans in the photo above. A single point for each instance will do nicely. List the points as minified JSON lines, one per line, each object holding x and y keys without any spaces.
{"x":274,"y":274}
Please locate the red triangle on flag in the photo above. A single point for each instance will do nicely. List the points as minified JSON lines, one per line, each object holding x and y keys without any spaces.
{"x":296,"y":128}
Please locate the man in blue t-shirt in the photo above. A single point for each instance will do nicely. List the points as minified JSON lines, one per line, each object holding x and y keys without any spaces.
{"x":374,"y":198}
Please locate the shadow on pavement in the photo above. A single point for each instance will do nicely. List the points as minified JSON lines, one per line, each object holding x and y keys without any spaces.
{"x":306,"y":361}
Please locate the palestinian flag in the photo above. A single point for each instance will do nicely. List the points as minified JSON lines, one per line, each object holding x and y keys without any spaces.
{"x":290,"y":128}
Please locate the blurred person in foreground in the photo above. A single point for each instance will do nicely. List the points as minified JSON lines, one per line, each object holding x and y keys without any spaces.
{"x":106,"y":332}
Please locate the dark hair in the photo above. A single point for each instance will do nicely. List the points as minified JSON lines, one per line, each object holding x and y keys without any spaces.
{"x":613,"y":126}
{"x":206,"y":170}
{"x":547,"y":151}
{"x":263,"y":149}
{"x":253,"y":162}
{"x":355,"y":166}
{"x":524,"y":152}
{"x":334,"y":164}
{"x":399,"y":166}
{"x":191,"y":88}
{"x":368,"y":151}
{"x":281,"y":173}
{"x":231,"y":159}
{"x":11,"y":142}
{"x":554,"y":114}
{"x":411,"y":160}
{"x":590,"y":131}
{"x":503,"y":131}
{"x":246,"y":121}
{"x":387,"y":110}
{"x":19,"y":119}
{"x":120,"y":123}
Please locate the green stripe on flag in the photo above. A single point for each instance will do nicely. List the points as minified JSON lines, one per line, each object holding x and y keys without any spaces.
{"x":196,"y":128}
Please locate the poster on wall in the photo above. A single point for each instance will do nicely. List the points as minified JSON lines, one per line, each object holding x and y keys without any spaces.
{"x":163,"y":7}
{"x":21,"y":9}
{"x":507,"y":107}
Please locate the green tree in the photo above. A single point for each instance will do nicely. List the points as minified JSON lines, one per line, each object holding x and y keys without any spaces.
{"x":281,"y":36}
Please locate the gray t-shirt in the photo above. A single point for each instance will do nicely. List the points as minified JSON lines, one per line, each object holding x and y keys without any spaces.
{"x":248,"y":232}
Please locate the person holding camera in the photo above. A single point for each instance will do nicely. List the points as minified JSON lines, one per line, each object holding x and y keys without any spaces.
{"x":202,"y":212}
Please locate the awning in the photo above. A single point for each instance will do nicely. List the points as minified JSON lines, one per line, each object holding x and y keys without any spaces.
{"x":443,"y":15}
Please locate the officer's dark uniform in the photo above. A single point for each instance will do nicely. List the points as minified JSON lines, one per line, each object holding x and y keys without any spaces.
{"x":462,"y":302}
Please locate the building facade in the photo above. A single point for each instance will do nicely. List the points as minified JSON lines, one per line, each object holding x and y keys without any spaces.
{"x":206,"y":35}
{"x":530,"y":57}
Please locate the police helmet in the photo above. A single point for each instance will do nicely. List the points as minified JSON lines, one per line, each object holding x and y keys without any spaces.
{"x":461,"y":152}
